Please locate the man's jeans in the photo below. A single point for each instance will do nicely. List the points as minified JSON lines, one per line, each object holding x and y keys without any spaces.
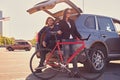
{"x":68,"y":50}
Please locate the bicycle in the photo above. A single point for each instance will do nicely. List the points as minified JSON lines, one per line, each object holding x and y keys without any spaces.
{"x":58,"y":64}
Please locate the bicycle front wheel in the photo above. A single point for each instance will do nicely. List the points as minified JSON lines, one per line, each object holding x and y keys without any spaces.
{"x":47,"y":72}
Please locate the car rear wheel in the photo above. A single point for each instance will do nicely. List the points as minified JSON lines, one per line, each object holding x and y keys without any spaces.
{"x":27,"y":49}
{"x":10,"y":49}
{"x":97,"y":60}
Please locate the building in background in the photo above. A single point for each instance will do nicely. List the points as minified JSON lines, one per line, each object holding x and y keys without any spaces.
{"x":1,"y":28}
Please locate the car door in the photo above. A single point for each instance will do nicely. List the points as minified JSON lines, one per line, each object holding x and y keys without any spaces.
{"x":108,"y":34}
{"x":16,"y":45}
{"x":21,"y":45}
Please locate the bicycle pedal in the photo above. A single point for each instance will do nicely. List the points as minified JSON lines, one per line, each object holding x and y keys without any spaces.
{"x":76,"y":75}
{"x":71,"y":75}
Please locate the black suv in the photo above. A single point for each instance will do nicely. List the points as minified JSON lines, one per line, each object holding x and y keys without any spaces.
{"x":104,"y":31}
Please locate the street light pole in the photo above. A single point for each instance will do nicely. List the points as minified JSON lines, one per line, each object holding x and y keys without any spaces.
{"x":83,"y":5}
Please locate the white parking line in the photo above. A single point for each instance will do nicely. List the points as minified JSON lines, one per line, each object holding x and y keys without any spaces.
{"x":14,"y":73}
{"x":18,"y":79}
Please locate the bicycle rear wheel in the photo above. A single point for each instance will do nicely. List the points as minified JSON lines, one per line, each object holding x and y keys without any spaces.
{"x":47,"y":72}
{"x":86,"y":57}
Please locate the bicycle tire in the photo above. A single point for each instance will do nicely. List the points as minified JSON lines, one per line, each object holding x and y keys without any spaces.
{"x":83,"y":72}
{"x":46,"y":74}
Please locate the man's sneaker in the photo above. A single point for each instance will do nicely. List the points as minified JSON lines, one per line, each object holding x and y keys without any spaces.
{"x":38,"y":71}
{"x":76,"y":74}
{"x":40,"y":67}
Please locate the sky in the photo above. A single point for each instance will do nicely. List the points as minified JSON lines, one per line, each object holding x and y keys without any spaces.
{"x":22,"y":25}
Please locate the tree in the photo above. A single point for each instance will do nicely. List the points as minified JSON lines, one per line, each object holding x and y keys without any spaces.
{"x":6,"y":41}
{"x":33,"y":41}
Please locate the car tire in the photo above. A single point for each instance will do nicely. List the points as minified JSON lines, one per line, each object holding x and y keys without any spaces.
{"x":10,"y":49}
{"x":27,"y":49}
{"x":97,"y":62}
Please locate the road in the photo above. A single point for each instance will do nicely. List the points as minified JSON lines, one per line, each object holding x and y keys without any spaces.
{"x":14,"y":65}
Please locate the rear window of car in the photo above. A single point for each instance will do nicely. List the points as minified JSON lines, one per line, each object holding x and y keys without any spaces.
{"x":59,"y":7}
{"x":117,"y":26}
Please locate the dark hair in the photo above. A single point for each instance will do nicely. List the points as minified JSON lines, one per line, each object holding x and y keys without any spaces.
{"x":65,"y":12}
{"x":48,"y":19}
{"x":57,"y":20}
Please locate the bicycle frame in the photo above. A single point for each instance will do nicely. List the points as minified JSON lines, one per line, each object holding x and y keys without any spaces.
{"x":57,"y":46}
{"x":62,"y":65}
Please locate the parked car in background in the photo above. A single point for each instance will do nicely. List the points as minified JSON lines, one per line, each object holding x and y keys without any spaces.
{"x":104,"y":31}
{"x":20,"y":45}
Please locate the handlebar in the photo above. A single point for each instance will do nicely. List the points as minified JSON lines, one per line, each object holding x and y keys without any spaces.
{"x":86,"y":38}
{"x":55,"y":33}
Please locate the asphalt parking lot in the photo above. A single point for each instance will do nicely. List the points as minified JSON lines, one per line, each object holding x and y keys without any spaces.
{"x":14,"y":65}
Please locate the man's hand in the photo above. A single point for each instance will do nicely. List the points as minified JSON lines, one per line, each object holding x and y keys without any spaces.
{"x":44,"y":44}
{"x":59,"y":32}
